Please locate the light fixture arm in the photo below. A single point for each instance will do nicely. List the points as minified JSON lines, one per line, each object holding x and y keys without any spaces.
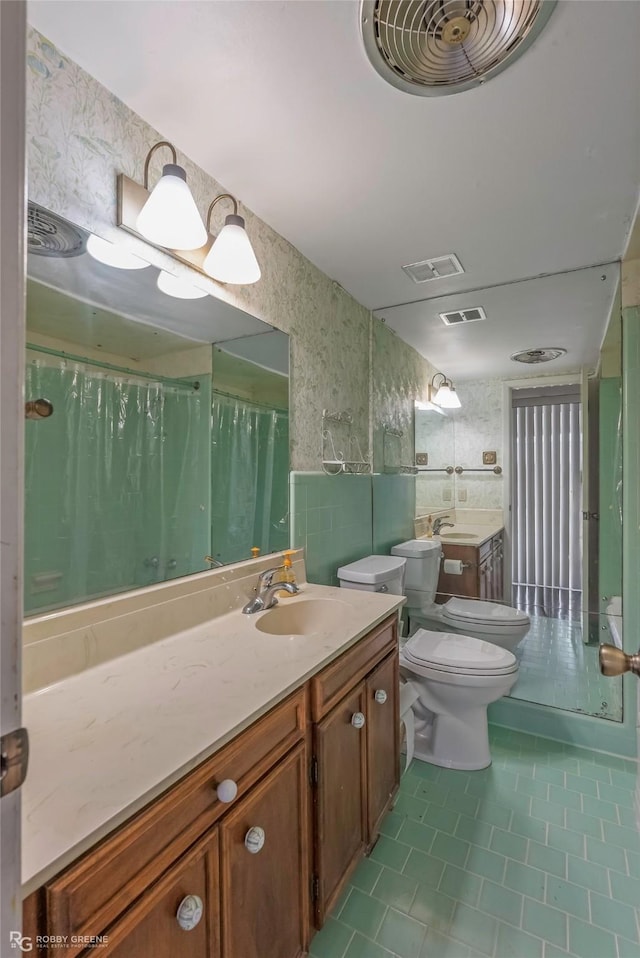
{"x":444,"y":380}
{"x":150,"y":154}
{"x":222,"y":196}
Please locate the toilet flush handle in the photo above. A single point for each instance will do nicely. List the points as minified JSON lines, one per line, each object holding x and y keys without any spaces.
{"x":383,"y":588}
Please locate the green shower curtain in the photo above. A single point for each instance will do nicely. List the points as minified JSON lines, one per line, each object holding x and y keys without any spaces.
{"x":249,"y":478}
{"x":117,"y":485}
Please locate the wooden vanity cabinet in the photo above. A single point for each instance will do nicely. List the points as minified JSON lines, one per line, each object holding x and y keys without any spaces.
{"x":299,"y":823}
{"x":355,"y":764}
{"x":482,"y":577}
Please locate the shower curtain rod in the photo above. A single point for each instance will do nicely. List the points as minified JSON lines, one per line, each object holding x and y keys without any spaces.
{"x":249,"y":402}
{"x":60,"y":354}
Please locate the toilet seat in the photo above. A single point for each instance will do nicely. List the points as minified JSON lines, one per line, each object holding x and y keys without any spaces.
{"x":455,"y":654}
{"x":477,"y":612}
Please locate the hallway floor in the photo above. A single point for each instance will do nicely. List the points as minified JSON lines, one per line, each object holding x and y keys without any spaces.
{"x":535,"y":857}
{"x":558,"y":669}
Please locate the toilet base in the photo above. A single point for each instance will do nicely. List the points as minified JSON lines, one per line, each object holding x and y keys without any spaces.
{"x":452,"y":743}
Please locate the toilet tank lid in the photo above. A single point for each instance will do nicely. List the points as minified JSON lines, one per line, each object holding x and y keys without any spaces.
{"x":372,"y":569}
{"x":416,"y":548}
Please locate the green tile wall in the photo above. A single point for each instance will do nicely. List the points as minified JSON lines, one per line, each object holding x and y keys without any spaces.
{"x":394,"y":505}
{"x":331,"y":520}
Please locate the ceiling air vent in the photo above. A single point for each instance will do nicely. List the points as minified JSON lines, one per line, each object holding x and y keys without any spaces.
{"x":436,"y":47}
{"x":544,"y":355}
{"x":438,"y":268}
{"x":458,"y":316}
{"x":50,"y":235}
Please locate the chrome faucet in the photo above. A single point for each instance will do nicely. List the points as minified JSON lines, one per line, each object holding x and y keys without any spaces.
{"x":439,"y":524}
{"x":266,"y":591}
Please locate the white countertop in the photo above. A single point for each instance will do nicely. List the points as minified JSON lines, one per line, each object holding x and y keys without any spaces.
{"x":107,"y":741}
{"x":469,"y":534}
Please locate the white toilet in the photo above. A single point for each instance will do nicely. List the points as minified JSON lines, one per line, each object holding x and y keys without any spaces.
{"x":453,"y":677}
{"x":456,"y":678}
{"x":499,"y":624}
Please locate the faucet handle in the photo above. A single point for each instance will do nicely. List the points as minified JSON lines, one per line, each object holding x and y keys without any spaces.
{"x":266,"y":578}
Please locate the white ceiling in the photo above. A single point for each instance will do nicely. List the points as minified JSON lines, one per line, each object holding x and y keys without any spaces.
{"x":535,"y":172}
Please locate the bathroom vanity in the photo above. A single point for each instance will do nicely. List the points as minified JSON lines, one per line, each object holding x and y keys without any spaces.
{"x":247,"y":851}
{"x":483,"y":568}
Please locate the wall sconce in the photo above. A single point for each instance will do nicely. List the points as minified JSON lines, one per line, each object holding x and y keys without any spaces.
{"x":228,"y":258}
{"x":231,"y":258}
{"x":170,"y":216}
{"x":444,"y":394}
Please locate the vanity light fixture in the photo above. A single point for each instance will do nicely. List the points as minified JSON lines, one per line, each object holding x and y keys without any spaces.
{"x":170,"y":216}
{"x":111,"y":254}
{"x":231,"y":258}
{"x":444,"y":394}
{"x":178,"y":287}
{"x":227,"y":258}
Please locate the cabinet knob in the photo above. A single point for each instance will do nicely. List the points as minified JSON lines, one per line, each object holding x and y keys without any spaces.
{"x":254,"y":839}
{"x":357,"y":720}
{"x":380,"y":696}
{"x":189,"y":912}
{"x":227,"y":790}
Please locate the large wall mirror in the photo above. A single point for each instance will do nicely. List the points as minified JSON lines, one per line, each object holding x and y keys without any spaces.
{"x":555,"y":499}
{"x":167,"y":450}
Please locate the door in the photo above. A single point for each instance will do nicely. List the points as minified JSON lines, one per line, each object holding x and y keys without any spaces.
{"x":12,"y":174}
{"x":265,"y":866}
{"x":383,"y":760}
{"x":340,"y":806}
{"x":178,"y":917}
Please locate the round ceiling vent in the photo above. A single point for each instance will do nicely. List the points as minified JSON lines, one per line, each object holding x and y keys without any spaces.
{"x":435,"y":47}
{"x":539,"y":355}
{"x":50,"y":235}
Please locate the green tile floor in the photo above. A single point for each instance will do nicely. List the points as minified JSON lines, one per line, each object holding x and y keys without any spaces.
{"x":535,"y":857}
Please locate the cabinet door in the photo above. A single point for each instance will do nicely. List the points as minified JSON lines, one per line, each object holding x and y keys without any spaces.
{"x":382,"y":728}
{"x":150,"y":928}
{"x":265,"y":890}
{"x":340,"y":801}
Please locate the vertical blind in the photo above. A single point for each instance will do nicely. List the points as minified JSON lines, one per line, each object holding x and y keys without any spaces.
{"x":547,"y":488}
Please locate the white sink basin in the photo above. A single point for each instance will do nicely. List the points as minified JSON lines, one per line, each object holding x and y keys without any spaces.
{"x":302,"y":617}
{"x":458,"y":535}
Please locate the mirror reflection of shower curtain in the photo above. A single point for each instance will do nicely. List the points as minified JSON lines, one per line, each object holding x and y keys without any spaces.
{"x":249,"y":478}
{"x":547,"y":502}
{"x":116,"y":485}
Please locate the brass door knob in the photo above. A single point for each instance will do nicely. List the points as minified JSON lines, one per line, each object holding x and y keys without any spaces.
{"x":613,"y":661}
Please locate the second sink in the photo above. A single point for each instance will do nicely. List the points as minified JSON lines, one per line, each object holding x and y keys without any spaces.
{"x":302,"y":617}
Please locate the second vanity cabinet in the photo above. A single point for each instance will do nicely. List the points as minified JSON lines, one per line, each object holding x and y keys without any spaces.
{"x":354,"y":705}
{"x":196,"y":876}
{"x":482,"y":576}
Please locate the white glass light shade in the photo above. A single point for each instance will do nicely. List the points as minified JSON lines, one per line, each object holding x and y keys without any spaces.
{"x":231,"y":258}
{"x":422,"y":406}
{"x":111,"y":254}
{"x":170,"y":216}
{"x":178,"y":287}
{"x":447,"y":397}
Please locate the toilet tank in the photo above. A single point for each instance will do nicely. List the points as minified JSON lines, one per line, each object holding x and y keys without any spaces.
{"x":374,"y":574}
{"x":423,"y":567}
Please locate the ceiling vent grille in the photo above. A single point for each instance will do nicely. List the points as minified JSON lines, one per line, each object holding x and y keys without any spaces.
{"x":458,"y":316}
{"x":51,"y":235}
{"x":436,"y":47}
{"x":544,"y":355}
{"x":441,"y":267}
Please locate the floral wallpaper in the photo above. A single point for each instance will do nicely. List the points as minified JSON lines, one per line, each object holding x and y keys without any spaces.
{"x":80,"y":136}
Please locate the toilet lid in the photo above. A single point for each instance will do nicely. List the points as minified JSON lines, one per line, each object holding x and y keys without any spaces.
{"x":372,"y":569}
{"x":451,"y":652}
{"x":485,"y":613}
